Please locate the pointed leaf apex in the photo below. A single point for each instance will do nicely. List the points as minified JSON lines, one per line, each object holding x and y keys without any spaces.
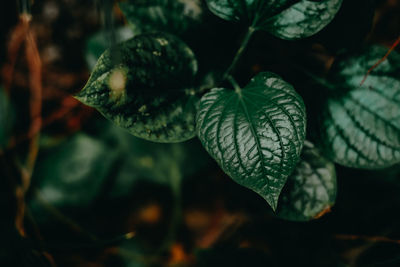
{"x":273,"y":202}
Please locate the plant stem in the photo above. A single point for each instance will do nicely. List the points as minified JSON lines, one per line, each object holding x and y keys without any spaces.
{"x":239,"y":53}
{"x":234,"y":84}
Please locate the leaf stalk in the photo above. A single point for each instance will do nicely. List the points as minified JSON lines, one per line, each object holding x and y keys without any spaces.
{"x":239,"y":53}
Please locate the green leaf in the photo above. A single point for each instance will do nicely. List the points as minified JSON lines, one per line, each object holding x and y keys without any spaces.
{"x":72,"y":173}
{"x":145,"y":86}
{"x":174,"y":16}
{"x":361,"y":124}
{"x":311,"y":189}
{"x":286,"y":19}
{"x":153,"y":162}
{"x":303,"y":19}
{"x":99,"y":42}
{"x":6,"y":118}
{"x":256,"y":133}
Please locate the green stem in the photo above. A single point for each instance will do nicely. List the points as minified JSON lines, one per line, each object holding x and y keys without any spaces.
{"x":239,"y":53}
{"x":235,"y":85}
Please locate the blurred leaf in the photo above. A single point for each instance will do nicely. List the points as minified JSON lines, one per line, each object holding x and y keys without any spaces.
{"x":310,"y":189}
{"x":124,"y":89}
{"x":75,"y":171}
{"x":6,"y":118}
{"x":99,"y":42}
{"x":155,"y":162}
{"x":71,"y":174}
{"x":255,"y":133}
{"x":174,"y":16}
{"x":361,"y":124}
{"x":286,"y":19}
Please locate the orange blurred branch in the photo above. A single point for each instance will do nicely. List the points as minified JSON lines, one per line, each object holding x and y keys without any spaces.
{"x":396,"y":43}
{"x":23,"y":34}
{"x":372,"y":239}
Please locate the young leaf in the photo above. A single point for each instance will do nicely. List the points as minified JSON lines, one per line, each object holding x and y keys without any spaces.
{"x":5,"y":118}
{"x":361,"y":126}
{"x":310,"y":189}
{"x":174,"y":16}
{"x":256,"y":133}
{"x":286,"y":19}
{"x":72,"y":173}
{"x":143,"y":85}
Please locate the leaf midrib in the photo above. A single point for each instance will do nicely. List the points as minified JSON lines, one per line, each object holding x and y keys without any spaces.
{"x":259,"y":148}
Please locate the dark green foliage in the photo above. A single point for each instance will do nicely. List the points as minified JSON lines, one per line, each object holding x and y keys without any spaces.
{"x":175,"y":16}
{"x":127,"y":183}
{"x":73,"y":172}
{"x":361,"y":123}
{"x":149,"y":85}
{"x":310,"y":189}
{"x":255,"y":133}
{"x":145,"y":86}
{"x":286,"y":19}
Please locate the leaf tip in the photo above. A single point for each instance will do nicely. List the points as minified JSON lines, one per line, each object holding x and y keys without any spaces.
{"x":273,"y":202}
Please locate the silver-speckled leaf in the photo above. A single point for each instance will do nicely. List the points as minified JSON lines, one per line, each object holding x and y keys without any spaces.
{"x":311,"y":189}
{"x":286,"y":19}
{"x":174,"y":16}
{"x":144,"y":85}
{"x":250,"y":11}
{"x":303,"y":19}
{"x":255,"y":133}
{"x":361,"y":125}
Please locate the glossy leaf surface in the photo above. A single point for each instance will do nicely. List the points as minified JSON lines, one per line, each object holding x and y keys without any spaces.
{"x":255,"y":133}
{"x":310,"y":189}
{"x":144,"y":86}
{"x":286,"y":19}
{"x":361,"y":124}
{"x":303,"y":19}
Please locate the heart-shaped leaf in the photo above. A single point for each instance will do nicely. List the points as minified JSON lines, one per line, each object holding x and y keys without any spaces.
{"x":256,"y":133}
{"x":311,"y":189}
{"x":361,"y":125}
{"x":144,"y":85}
{"x":286,"y":19}
{"x":174,"y":16}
